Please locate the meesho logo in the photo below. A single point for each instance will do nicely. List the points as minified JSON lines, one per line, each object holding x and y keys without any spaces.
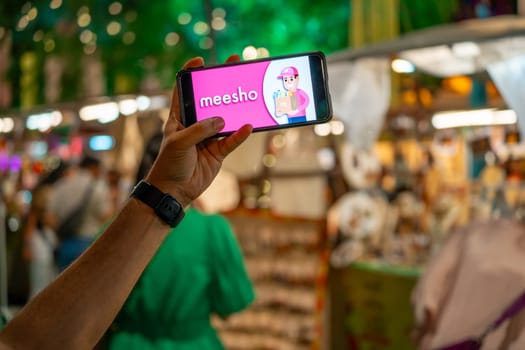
{"x":238,"y":96}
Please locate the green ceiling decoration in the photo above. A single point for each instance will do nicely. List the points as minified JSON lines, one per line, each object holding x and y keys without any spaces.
{"x":138,"y":38}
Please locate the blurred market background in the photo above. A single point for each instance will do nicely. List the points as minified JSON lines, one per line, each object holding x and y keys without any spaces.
{"x":137,"y":40}
{"x":94,"y":77}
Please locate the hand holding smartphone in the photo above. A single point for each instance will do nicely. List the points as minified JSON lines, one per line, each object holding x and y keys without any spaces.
{"x":270,"y":93}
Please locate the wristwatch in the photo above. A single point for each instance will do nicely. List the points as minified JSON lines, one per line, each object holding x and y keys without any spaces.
{"x":167,"y":208}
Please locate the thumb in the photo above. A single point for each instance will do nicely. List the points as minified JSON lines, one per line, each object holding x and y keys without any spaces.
{"x":199,"y":131}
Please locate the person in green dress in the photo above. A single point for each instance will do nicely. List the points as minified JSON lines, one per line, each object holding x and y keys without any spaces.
{"x":198,"y":271}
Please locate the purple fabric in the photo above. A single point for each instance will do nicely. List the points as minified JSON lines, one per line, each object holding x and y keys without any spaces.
{"x":510,"y":311}
{"x":470,"y":344}
{"x":475,"y":344}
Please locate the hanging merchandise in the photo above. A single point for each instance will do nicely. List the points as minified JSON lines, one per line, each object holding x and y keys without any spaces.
{"x":29,"y":79}
{"x":285,"y":259}
{"x":93,"y":78}
{"x":508,"y":75}
{"x":360,"y":219}
{"x":357,"y":222}
{"x":406,"y":243}
{"x":374,"y":21}
{"x":5,"y":56}
{"x":361,"y":168}
{"x":53,"y":70}
{"x":492,"y":176}
{"x":360,"y":93}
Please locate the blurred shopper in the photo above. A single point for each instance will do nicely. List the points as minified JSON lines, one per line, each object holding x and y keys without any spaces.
{"x":40,"y":239}
{"x":77,"y":207}
{"x":198,"y":271}
{"x":119,"y":188}
{"x":472,"y":290}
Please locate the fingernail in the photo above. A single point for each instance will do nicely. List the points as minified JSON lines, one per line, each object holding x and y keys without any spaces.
{"x":217,"y":123}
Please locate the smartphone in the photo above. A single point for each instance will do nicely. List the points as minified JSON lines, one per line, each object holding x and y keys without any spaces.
{"x":269,"y":93}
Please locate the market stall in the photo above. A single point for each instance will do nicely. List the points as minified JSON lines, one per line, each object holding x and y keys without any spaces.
{"x":440,"y":157}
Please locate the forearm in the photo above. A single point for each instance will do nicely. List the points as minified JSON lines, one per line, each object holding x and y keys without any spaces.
{"x":101,"y":278}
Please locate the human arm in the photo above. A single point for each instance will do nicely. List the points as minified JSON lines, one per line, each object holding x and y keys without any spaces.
{"x":75,"y":310}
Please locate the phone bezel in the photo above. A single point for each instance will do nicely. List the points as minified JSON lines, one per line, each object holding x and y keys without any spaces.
{"x":321,"y":93}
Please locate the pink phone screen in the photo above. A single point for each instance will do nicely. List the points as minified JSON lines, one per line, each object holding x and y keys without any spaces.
{"x":262,"y":94}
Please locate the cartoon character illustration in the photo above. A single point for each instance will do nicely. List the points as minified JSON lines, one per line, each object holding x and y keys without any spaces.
{"x":293,"y":101}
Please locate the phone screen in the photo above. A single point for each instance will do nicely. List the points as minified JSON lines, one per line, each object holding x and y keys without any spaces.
{"x":268,"y":94}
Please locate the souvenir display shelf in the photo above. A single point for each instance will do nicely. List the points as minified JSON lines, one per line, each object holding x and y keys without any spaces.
{"x":287,"y":261}
{"x":371,"y":307}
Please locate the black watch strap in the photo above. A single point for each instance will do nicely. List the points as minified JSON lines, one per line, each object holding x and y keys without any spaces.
{"x":164,"y":205}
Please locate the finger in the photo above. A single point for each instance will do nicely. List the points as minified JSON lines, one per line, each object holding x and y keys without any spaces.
{"x":175,"y":103}
{"x":230,"y":143}
{"x":199,"y":132}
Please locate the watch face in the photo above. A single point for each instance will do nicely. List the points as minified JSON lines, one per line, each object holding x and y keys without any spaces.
{"x":165,"y":206}
{"x":169,"y":210}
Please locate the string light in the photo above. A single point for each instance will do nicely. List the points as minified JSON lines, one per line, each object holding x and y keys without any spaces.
{"x":32,"y":14}
{"x":218,"y":23}
{"x":128,"y":38}
{"x":263,"y":52}
{"x":7,"y":125}
{"x":184,"y":18}
{"x":115,"y":8}
{"x":84,"y":20}
{"x":322,"y":129}
{"x":22,"y":23}
{"x":201,"y":28}
{"x":54,"y":4}
{"x":249,"y":53}
{"x":38,"y":36}
{"x":86,"y":36}
{"x":172,"y":39}
{"x":113,"y":28}
{"x":218,"y":12}
{"x":49,"y":45}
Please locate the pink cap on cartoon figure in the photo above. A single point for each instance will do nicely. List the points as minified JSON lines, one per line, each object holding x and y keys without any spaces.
{"x":288,"y":72}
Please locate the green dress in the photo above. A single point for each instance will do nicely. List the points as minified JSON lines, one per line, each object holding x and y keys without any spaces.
{"x":198,"y":271}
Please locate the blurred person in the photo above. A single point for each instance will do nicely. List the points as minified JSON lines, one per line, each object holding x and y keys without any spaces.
{"x":467,"y":287}
{"x":75,"y":310}
{"x":78,"y":206}
{"x":4,"y":313}
{"x":118,"y":188}
{"x":40,"y":239}
{"x":198,"y":271}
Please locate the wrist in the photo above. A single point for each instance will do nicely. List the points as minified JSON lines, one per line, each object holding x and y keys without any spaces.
{"x":170,"y":188}
{"x":164,"y":205}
